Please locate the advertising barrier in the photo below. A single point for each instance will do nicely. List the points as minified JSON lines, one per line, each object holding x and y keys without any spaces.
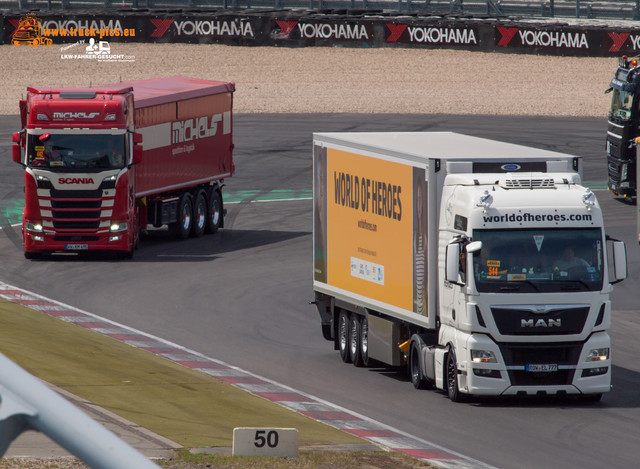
{"x":299,"y":28}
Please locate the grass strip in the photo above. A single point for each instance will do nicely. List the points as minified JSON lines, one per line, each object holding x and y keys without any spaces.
{"x":183,"y":405}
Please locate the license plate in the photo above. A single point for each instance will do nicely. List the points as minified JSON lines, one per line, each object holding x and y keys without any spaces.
{"x":542,"y":368}
{"x":76,"y":247}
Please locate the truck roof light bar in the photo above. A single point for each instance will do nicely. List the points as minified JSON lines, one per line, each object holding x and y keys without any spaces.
{"x":78,"y":94}
{"x":79,"y":91}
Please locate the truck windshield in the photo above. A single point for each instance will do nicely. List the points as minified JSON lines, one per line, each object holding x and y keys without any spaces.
{"x":551,"y":260}
{"x":621,"y":104}
{"x":84,"y":152}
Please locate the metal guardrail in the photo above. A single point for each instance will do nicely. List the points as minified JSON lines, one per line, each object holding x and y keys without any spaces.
{"x":598,"y":9}
{"x":28,"y":404}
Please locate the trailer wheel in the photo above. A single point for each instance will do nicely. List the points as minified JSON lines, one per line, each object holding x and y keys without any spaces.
{"x":364,"y":340}
{"x":452,"y":377}
{"x":199,"y":215}
{"x":343,"y":336}
{"x":355,"y":335}
{"x":214,"y":215}
{"x":415,"y":372}
{"x":182,"y":227}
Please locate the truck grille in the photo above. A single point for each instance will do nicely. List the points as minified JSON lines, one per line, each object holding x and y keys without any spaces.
{"x":75,"y":214}
{"x":518,"y":356}
{"x":523,"y":321}
{"x":613,"y":172}
{"x":556,"y":378}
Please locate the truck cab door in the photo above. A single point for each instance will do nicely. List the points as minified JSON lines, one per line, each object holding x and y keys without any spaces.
{"x":456,"y":267}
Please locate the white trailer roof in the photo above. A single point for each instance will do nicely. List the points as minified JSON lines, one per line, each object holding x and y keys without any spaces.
{"x":441,"y":145}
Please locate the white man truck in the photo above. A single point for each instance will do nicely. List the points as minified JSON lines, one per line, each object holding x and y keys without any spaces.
{"x":482,"y":266}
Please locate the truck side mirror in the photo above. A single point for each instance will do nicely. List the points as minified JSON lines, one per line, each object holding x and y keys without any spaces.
{"x":619,"y":261}
{"x":137,"y":154}
{"x":474,"y":247}
{"x":16,"y":152}
{"x":137,"y":138}
{"x":452,"y":263}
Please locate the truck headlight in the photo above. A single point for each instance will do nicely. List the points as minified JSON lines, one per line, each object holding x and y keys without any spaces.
{"x":34,"y":227}
{"x":43,"y":182}
{"x":109,"y":182}
{"x":483,"y":356}
{"x":118,"y":227}
{"x":623,"y":172}
{"x":598,"y":354}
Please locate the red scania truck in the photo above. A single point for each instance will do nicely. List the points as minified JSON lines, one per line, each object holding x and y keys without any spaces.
{"x":103,"y":163}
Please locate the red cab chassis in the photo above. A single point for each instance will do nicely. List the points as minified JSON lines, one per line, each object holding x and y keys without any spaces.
{"x":103,"y":163}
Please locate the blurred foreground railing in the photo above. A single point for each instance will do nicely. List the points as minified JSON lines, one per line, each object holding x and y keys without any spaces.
{"x":28,"y":404}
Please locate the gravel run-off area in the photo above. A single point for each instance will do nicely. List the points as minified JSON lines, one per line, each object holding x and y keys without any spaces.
{"x":334,"y":80}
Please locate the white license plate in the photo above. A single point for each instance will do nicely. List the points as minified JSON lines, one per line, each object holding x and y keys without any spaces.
{"x":542,"y":368}
{"x":76,"y":247}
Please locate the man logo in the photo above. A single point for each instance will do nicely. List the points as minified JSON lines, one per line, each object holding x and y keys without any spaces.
{"x":541,"y":323}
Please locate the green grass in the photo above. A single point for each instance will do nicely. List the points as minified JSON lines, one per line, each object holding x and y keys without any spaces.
{"x":183,"y":405}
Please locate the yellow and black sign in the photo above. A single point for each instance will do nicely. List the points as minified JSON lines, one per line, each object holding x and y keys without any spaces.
{"x":370,"y":227}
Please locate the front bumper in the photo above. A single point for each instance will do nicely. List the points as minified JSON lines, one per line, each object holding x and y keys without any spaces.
{"x":512,"y":375}
{"x":49,"y":242}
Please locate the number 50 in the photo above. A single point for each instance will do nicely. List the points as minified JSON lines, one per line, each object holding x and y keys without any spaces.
{"x":271,"y":439}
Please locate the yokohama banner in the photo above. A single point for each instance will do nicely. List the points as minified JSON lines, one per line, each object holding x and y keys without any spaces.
{"x":308,"y":28}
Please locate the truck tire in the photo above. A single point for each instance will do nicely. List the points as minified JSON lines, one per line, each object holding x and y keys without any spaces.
{"x":591,"y":398}
{"x":452,"y":377}
{"x":182,"y":227}
{"x":199,"y":215}
{"x":343,"y":336}
{"x":364,"y":340}
{"x":214,"y":214}
{"x":127,"y":255}
{"x":354,"y":340}
{"x":418,"y":380}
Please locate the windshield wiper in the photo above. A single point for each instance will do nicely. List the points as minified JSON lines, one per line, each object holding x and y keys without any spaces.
{"x":575,"y":287}
{"x":529,"y":282}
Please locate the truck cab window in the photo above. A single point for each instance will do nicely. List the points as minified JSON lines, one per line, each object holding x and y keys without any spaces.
{"x":82,"y":152}
{"x":463,"y":264}
{"x":621,"y":104}
{"x":542,"y":260}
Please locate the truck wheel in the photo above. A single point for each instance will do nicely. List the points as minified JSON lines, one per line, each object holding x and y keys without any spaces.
{"x":199,"y":215}
{"x":354,"y":339}
{"x":452,"y":377}
{"x":214,"y":215}
{"x":364,"y":340}
{"x":591,"y":398}
{"x":182,"y":227}
{"x":128,"y":254}
{"x":415,"y":372}
{"x":343,"y":336}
